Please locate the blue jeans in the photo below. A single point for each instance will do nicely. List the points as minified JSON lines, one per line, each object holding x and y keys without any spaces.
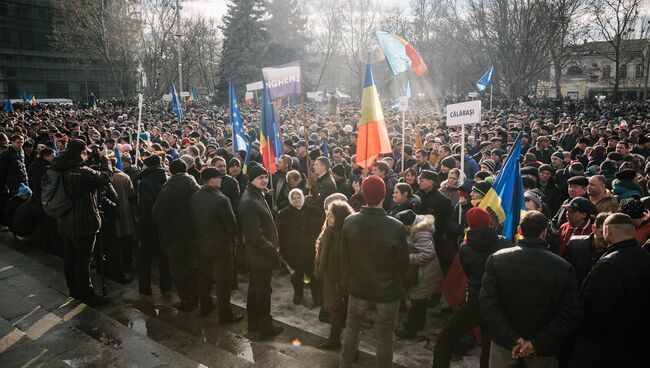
{"x":387,"y":314}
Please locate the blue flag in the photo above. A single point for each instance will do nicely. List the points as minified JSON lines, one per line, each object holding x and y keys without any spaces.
{"x":486,"y":80}
{"x":28,"y":98}
{"x":247,"y":159}
{"x":326,"y":147}
{"x":118,"y":158}
{"x":506,"y":197}
{"x":7,"y":106}
{"x":238,"y":141}
{"x":176,"y":105}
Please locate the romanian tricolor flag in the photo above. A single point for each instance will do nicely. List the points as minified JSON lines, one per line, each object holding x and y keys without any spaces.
{"x":270,"y":144}
{"x":506,"y":197}
{"x":372,"y":136}
{"x":401,"y":56}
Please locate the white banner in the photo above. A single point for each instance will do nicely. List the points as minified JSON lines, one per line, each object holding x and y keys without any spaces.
{"x":254,"y":86}
{"x":283,"y":80}
{"x":249,"y":96}
{"x":464,"y":113}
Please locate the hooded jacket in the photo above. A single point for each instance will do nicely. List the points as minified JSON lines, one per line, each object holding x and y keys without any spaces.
{"x":172,"y":211}
{"x":422,"y":254}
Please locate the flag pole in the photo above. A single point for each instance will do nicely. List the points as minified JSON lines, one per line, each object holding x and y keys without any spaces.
{"x":490,"y":95}
{"x":137,"y":136}
{"x":272,"y":191}
{"x":403,"y":136}
{"x":462,"y":165}
{"x":304,"y":123}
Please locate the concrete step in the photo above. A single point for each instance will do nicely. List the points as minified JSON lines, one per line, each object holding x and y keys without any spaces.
{"x":19,"y":350}
{"x":202,"y":340}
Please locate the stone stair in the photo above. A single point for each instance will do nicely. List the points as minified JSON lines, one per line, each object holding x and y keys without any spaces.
{"x":41,"y":326}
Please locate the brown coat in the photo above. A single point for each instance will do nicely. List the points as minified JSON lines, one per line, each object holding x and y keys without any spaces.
{"x":126,"y":197}
{"x":609,"y":203}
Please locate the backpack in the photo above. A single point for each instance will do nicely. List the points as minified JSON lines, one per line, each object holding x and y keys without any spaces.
{"x":55,"y":200}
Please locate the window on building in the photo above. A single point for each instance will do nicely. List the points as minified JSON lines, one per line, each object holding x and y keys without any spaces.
{"x":574,"y":70}
{"x":57,"y":90}
{"x":622,"y":71}
{"x":639,"y":71}
{"x":607,"y":71}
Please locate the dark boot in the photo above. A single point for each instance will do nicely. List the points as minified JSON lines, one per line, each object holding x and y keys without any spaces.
{"x":315,"y":292}
{"x":334,"y":340}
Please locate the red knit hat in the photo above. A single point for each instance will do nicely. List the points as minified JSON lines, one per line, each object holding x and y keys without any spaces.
{"x":478,"y":217}
{"x":373,"y":190}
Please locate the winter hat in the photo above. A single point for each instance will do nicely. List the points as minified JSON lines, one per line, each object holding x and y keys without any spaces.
{"x":490,"y":164}
{"x":608,"y":167}
{"x":23,"y":190}
{"x":406,"y":217}
{"x":188,"y":160}
{"x":483,"y":175}
{"x":558,"y":154}
{"x":153,"y":161}
{"x":633,"y":208}
{"x":210,"y":173}
{"x":373,"y":189}
{"x":234,"y":162}
{"x":545,"y":167}
{"x":77,"y":146}
{"x":478,"y":217}
{"x":579,"y":180}
{"x":255,"y":171}
{"x":482,"y":188}
{"x":576,"y":169}
{"x":339,"y":170}
{"x":449,"y":162}
{"x":144,"y":136}
{"x":531,"y":196}
{"x":528,"y":170}
{"x":177,"y":167}
{"x":626,"y":174}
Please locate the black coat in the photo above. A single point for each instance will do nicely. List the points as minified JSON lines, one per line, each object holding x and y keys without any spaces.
{"x":230,"y":188}
{"x":150,"y":183}
{"x":172,"y":211}
{"x":375,"y":255}
{"x":582,"y":255}
{"x":390,"y":180}
{"x":298,"y":230}
{"x":529,"y":292}
{"x":35,"y":173}
{"x":214,"y":222}
{"x":12,"y":169}
{"x":436,"y":204}
{"x":412,"y":203}
{"x":258,"y":230}
{"x":616,"y":299}
{"x":473,"y":253}
{"x":325,"y":186}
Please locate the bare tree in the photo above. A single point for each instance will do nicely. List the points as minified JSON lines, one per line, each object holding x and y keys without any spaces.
{"x":517,"y":34}
{"x":100,"y":31}
{"x":613,"y":23}
{"x":571,"y":29}
{"x":360,"y":19}
{"x":327,"y":29}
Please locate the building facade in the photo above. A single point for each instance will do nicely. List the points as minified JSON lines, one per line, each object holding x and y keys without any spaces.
{"x":589,"y":73}
{"x":30,"y":64}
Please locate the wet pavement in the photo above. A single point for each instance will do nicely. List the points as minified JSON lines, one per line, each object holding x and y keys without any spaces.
{"x":41,"y":326}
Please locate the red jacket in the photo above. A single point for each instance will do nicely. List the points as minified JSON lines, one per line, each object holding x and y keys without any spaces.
{"x":567,"y":231}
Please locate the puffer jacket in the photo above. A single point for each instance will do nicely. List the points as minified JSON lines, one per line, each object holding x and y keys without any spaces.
{"x":375,"y":255}
{"x":258,"y":230}
{"x":81,"y":184}
{"x":529,"y":292}
{"x":12,"y":169}
{"x":422,"y":254}
{"x":214,"y":221}
{"x":172,"y":211}
{"x":474,"y":252}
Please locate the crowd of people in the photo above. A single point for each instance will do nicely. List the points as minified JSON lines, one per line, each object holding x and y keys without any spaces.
{"x":572,"y":290}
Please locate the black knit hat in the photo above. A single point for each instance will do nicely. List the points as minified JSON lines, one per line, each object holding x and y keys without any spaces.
{"x":153,"y":161}
{"x":256,"y":171}
{"x":406,"y":217}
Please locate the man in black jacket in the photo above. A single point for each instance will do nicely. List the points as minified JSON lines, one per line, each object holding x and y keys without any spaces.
{"x":616,"y":299}
{"x":583,"y":251}
{"x":375,"y":260}
{"x":150,"y":183}
{"x":482,"y":241}
{"x":12,"y":172}
{"x":325,"y":184}
{"x":262,"y":252}
{"x":529,"y":299}
{"x":172,"y":214}
{"x":215,"y":227}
